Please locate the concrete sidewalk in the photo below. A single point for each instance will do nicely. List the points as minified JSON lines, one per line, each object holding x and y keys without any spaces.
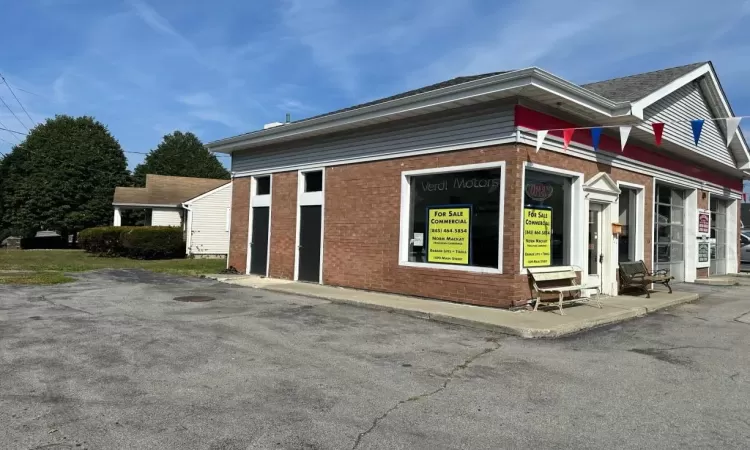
{"x":526,"y":324}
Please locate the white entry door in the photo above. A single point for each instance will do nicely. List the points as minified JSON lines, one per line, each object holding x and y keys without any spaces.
{"x":595,"y":251}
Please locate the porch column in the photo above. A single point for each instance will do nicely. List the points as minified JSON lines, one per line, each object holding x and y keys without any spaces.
{"x":118,"y":218}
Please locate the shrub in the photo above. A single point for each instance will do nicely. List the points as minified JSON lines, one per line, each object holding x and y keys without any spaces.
{"x":134,"y":242}
{"x":153,"y":242}
{"x":102,"y":241}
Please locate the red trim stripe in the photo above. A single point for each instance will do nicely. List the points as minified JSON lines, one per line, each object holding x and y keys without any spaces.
{"x":534,"y":120}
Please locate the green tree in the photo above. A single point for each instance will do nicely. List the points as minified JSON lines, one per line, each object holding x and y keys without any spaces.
{"x":61,"y":177}
{"x":181,"y":155}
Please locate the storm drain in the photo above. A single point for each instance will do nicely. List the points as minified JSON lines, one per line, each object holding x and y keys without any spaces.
{"x":194,"y":298}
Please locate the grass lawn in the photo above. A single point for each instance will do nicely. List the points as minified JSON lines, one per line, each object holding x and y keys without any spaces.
{"x":48,"y":266}
{"x":35,"y":278}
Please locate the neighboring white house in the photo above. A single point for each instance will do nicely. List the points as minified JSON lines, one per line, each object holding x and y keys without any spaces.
{"x":208,"y":217}
{"x":198,"y":205}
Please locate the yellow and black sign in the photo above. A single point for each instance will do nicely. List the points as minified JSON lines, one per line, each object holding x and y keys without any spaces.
{"x":537,"y":237}
{"x":448,"y":234}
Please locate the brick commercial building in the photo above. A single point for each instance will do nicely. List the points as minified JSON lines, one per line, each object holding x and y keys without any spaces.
{"x":440,"y":192}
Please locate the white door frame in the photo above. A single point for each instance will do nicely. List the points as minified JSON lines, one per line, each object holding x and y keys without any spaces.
{"x":310,"y":199}
{"x":258,"y":201}
{"x":603,"y":191}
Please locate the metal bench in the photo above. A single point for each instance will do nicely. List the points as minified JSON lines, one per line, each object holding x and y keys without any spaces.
{"x":561,"y":280}
{"x":635,"y":274}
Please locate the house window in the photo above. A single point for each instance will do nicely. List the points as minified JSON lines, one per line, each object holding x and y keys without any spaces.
{"x":313,"y":181}
{"x":552,"y":193}
{"x":669,"y":229}
{"x":263,"y":185}
{"x":454,"y":217}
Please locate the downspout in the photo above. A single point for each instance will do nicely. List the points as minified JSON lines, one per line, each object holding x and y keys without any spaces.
{"x":188,"y":229}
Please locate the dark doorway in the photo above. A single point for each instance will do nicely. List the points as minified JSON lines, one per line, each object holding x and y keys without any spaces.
{"x":259,"y":241}
{"x":309,"y":243}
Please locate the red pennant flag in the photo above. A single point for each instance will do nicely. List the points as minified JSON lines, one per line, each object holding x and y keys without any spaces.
{"x":658,"y":131}
{"x":568,"y":136}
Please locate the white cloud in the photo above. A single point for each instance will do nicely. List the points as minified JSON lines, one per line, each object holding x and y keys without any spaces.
{"x":198,"y":99}
{"x":58,"y":89}
{"x":220,"y":117}
{"x":153,"y":19}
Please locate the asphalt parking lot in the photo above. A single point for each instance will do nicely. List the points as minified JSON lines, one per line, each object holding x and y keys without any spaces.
{"x":113,"y":361}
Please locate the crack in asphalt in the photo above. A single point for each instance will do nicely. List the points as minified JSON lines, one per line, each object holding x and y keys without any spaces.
{"x":44,"y":299}
{"x":424,"y":395}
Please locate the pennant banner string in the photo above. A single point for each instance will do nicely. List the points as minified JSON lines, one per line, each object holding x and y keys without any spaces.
{"x":666,"y":123}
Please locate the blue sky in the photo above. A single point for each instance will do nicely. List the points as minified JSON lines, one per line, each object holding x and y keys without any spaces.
{"x":147,"y":67}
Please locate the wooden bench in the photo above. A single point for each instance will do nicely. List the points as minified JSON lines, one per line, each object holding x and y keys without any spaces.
{"x":635,"y":274}
{"x":561,"y":280}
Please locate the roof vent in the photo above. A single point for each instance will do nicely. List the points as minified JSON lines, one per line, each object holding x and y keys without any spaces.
{"x":272,"y":125}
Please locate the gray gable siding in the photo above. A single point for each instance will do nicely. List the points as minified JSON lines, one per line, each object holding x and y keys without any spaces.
{"x":465,"y":126}
{"x":685,"y":104}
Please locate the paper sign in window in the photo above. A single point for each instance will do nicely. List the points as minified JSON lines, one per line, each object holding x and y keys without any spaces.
{"x":448,"y":235}
{"x":537,"y":237}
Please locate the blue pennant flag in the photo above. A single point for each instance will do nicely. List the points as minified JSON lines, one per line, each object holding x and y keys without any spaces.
{"x":697,"y":125}
{"x":596,"y":134}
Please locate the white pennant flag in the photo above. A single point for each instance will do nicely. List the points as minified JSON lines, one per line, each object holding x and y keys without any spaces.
{"x":624,"y":133}
{"x":540,"y":135}
{"x":732,"y":124}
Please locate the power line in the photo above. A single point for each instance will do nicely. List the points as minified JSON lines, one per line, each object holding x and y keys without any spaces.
{"x":12,"y":131}
{"x":17,"y":100}
{"x":124,"y":151}
{"x":14,"y":114}
{"x":14,"y":136}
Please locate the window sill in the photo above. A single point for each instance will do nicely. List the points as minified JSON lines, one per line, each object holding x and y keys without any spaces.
{"x":487,"y":270}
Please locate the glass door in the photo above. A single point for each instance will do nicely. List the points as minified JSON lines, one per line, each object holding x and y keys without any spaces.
{"x":595,"y":256}
{"x":718,"y":237}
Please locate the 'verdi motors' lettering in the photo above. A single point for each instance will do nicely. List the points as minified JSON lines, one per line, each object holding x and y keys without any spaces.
{"x":462,"y":183}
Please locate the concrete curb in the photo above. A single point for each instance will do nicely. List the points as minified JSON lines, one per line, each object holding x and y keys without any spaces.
{"x":618,"y":316}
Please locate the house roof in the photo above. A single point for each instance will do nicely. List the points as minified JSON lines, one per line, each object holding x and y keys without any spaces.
{"x":623,"y":89}
{"x":610,"y":101}
{"x":635,"y":87}
{"x":162,"y":190}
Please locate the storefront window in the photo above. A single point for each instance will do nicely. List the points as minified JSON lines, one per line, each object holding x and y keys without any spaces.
{"x":669,"y":229}
{"x":626,"y":242}
{"x":454,"y":218}
{"x":551,"y":193}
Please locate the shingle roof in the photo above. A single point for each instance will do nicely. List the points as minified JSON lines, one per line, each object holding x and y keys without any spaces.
{"x":624,"y":89}
{"x":432,"y":87}
{"x":635,"y":87}
{"x":165,"y":190}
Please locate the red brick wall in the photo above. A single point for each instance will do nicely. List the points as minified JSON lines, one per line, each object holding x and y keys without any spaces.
{"x":283,"y":225}
{"x":362,"y":226}
{"x":239,"y":224}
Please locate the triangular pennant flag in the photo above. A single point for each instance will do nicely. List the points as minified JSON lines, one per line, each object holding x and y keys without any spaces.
{"x":658,"y":131}
{"x":540,"y":135}
{"x":596,"y":134}
{"x":697,"y":125}
{"x":624,"y":133}
{"x":568,"y":136}
{"x":732,"y":124}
